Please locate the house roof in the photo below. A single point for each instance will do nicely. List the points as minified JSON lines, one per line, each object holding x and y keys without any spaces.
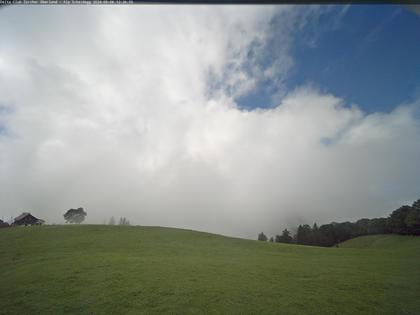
{"x":23,"y":215}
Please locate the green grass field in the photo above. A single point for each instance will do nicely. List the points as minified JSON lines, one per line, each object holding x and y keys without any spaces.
{"x":150,"y":270}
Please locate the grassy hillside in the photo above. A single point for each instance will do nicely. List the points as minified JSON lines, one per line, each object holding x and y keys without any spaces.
{"x":150,"y":270}
{"x":387,"y":241}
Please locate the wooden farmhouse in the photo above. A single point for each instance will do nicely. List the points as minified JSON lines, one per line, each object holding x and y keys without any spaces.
{"x":27,"y":219}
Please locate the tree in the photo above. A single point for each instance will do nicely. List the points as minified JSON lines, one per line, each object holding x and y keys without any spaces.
{"x":362,"y":226}
{"x":124,"y":221}
{"x":327,"y":235}
{"x":413,"y":218}
{"x":315,"y":235}
{"x":112,"y":221}
{"x":378,"y":226}
{"x":271,"y":239}
{"x":412,"y":221}
{"x":416,"y":204}
{"x":304,"y":235}
{"x":262,"y":237}
{"x":344,"y":231}
{"x":397,"y":220}
{"x":75,"y":215}
{"x":285,"y":237}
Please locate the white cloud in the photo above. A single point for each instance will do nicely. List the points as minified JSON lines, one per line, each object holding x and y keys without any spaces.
{"x":110,"y":109}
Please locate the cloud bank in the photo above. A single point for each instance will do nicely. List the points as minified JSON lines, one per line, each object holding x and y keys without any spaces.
{"x":131,"y":112}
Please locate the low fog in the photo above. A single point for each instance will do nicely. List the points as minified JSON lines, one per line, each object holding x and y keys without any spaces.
{"x":132,"y":112}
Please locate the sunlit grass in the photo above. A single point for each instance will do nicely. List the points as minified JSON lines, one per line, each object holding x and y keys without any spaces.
{"x":144,"y":270}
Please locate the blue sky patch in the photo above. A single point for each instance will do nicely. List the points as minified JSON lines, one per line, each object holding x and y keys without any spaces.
{"x":369,"y":57}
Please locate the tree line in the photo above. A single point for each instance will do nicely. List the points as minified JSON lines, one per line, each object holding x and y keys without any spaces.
{"x":122,"y":221}
{"x":404,"y":220}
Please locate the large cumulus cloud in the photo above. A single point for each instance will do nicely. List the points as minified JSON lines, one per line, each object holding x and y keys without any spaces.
{"x":131,"y":112}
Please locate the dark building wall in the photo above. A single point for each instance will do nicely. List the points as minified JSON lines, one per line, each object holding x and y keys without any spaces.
{"x":28,"y":220}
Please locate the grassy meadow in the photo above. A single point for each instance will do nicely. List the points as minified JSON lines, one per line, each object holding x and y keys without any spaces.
{"x":94,"y":269}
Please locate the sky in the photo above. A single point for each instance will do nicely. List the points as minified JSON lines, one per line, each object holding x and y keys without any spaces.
{"x":225,"y":119}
